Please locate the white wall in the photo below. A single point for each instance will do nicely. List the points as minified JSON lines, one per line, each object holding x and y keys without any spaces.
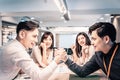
{"x":0,"y":31}
{"x":66,"y":40}
{"x":116,"y":23}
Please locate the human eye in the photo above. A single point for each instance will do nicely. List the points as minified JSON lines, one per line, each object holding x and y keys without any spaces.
{"x":93,"y":38}
{"x":35,"y":36}
{"x":50,"y":39}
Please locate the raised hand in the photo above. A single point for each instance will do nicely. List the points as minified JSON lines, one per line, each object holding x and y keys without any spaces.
{"x":85,"y":49}
{"x":43,"y":45}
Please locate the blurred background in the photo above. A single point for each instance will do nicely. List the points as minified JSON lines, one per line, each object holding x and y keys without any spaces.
{"x":64,"y":18}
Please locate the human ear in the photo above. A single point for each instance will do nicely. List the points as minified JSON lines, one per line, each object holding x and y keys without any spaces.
{"x":106,"y":39}
{"x":22,"y":34}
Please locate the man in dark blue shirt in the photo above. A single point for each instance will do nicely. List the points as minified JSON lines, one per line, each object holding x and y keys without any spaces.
{"x":107,"y":53}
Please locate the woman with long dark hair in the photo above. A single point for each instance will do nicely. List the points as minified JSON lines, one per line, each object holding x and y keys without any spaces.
{"x":43,"y":53}
{"x":82,"y":49}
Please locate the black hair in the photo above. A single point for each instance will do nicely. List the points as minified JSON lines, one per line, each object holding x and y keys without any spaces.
{"x":103,"y":29}
{"x":44,"y":36}
{"x":27,"y":25}
{"x":79,"y":47}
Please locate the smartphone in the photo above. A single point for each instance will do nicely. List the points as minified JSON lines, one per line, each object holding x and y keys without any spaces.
{"x":69,"y":51}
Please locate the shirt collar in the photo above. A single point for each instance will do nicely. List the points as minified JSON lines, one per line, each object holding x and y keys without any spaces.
{"x":111,"y":50}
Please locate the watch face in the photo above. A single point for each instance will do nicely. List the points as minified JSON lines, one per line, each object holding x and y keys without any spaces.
{"x":69,"y":51}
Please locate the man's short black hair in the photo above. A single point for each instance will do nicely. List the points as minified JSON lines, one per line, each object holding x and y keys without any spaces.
{"x":27,"y":25}
{"x":103,"y":29}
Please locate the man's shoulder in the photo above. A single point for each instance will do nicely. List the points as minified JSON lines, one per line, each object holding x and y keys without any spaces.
{"x":98,"y":54}
{"x":13,"y":45}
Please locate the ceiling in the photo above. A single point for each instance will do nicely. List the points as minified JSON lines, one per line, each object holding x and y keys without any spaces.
{"x":83,"y":12}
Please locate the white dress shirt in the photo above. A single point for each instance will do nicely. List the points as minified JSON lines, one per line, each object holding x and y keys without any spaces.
{"x":13,"y":57}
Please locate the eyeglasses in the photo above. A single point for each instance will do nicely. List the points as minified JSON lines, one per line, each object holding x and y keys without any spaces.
{"x":26,"y":18}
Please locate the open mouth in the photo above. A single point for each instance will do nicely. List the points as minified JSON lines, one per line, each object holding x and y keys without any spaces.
{"x":33,"y":44}
{"x":82,"y":43}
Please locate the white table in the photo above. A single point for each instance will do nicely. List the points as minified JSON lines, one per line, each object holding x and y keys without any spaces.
{"x":61,"y":73}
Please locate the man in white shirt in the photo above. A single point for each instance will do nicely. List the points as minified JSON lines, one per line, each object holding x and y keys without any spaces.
{"x":14,"y":56}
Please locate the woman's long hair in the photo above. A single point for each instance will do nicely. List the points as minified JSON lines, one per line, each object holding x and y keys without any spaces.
{"x":44,"y":36}
{"x":79,"y":47}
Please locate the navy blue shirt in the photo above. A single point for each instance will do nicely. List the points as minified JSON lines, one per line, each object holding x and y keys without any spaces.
{"x":96,"y":62}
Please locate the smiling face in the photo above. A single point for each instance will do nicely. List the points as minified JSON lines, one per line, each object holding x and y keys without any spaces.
{"x":29,"y":38}
{"x":48,"y":41}
{"x":100,"y":44}
{"x":103,"y":36}
{"x":81,"y":40}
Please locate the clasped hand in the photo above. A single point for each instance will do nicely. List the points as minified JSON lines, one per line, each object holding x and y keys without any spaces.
{"x":60,"y":55}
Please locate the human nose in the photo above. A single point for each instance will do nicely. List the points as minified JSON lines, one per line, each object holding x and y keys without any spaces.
{"x":36,"y":40}
{"x":92,"y":42}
